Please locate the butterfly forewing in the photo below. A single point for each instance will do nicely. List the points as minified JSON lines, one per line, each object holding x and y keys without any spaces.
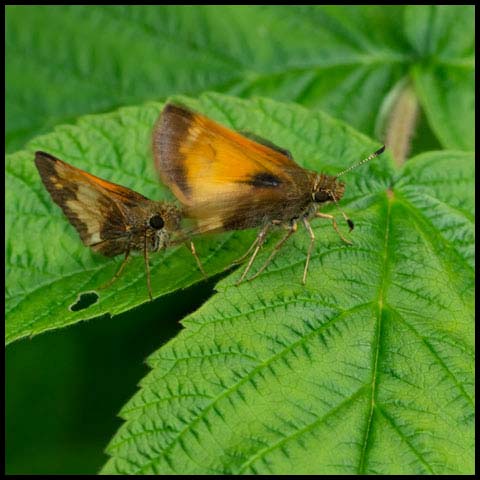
{"x":98,"y":209}
{"x":224,"y":179}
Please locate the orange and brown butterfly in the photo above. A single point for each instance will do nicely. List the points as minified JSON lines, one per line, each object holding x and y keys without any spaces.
{"x":229,"y":181}
{"x":110,"y":219}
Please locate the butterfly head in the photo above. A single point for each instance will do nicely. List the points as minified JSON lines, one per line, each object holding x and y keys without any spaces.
{"x":327,"y":188}
{"x":161,"y":222}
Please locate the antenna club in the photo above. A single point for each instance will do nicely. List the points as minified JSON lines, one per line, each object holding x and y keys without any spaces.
{"x":380,"y":151}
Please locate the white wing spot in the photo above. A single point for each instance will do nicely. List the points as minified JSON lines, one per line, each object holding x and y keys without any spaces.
{"x":95,"y":237}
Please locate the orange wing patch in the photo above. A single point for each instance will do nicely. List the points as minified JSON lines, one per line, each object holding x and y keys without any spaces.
{"x":224,"y":179}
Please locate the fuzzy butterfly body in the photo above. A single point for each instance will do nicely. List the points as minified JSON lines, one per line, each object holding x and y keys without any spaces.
{"x":229,"y":181}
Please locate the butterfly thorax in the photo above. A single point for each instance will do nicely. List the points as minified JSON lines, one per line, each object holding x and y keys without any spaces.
{"x":326,"y":188}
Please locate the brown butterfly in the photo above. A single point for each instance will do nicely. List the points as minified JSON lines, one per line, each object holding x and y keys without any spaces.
{"x":110,"y":219}
{"x":228,"y":181}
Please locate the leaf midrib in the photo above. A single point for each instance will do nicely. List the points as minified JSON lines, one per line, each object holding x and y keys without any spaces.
{"x":378,"y":332}
{"x":235,"y":386}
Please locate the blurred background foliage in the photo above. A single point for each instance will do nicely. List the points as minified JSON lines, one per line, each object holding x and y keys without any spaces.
{"x":63,"y":388}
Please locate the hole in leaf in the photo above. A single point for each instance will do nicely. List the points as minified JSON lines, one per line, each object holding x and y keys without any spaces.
{"x":84,"y":301}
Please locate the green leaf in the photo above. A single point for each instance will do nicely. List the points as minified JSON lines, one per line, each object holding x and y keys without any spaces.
{"x":445,"y":78}
{"x":444,"y":91}
{"x":48,"y":267}
{"x":444,"y":32}
{"x":370,"y":365}
{"x":66,"y":61}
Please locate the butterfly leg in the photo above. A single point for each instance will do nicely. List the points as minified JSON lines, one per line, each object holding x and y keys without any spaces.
{"x":119,"y":271}
{"x":194,"y":253}
{"x":309,"y":253}
{"x":258,"y":242}
{"x":291,"y":231}
{"x":334,"y":223}
{"x":245,"y":255}
{"x":147,"y":268}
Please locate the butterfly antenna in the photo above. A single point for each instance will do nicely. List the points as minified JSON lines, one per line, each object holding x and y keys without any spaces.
{"x":365,"y":160}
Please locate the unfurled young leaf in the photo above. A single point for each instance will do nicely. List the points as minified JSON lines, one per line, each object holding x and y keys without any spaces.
{"x":368,"y":369}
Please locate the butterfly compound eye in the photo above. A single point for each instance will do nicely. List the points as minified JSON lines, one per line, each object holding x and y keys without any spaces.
{"x":157,"y":222}
{"x":322,"y":196}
